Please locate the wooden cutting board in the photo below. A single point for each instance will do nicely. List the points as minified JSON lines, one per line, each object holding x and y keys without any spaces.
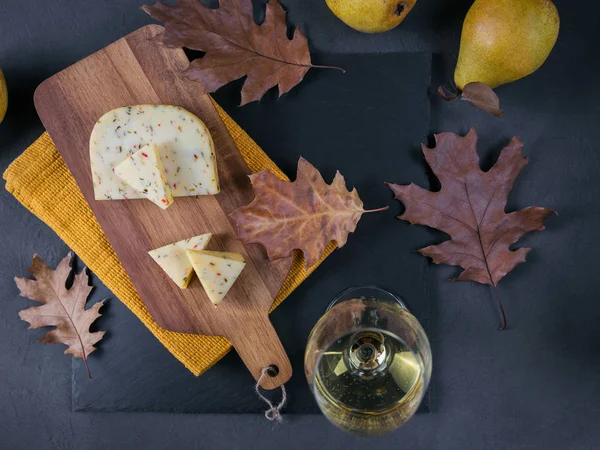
{"x":135,"y":70}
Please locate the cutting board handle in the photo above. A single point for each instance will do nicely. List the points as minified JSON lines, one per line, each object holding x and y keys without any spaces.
{"x":258,"y":344}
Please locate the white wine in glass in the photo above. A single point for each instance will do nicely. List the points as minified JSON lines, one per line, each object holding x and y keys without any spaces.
{"x":368,"y":362}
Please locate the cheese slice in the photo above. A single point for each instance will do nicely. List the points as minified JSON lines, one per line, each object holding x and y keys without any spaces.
{"x":143,"y":171}
{"x":217,"y":271}
{"x":174,"y":261}
{"x":184,"y":144}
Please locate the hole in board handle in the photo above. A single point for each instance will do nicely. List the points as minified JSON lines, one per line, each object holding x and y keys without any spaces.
{"x":273,"y":370}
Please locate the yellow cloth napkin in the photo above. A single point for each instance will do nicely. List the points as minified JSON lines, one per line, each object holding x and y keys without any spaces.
{"x":40,"y":180}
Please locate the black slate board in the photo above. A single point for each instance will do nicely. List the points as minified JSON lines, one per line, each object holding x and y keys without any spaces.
{"x":368,"y":123}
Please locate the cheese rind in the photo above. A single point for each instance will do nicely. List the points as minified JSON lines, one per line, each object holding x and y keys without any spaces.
{"x":217,"y":271}
{"x":144,"y":172}
{"x":174,"y":261}
{"x":184,"y":143}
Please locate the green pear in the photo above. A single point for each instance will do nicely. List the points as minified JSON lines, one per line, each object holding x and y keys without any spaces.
{"x":505,"y":40}
{"x":371,"y":16}
{"x":3,"y":96}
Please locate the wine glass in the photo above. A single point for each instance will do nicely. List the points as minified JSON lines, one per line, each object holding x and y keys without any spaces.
{"x":368,"y":361}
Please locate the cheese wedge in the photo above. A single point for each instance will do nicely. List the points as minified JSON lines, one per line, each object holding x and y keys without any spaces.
{"x":184,"y":143}
{"x":143,"y":171}
{"x":217,"y":271}
{"x":174,"y":261}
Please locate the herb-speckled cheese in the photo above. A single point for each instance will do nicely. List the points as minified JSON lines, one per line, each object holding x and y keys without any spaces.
{"x":217,"y":271}
{"x":184,"y":144}
{"x":174,"y":261}
{"x":143,"y":171}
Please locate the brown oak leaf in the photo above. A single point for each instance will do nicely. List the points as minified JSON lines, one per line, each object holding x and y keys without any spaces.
{"x":470,"y":208}
{"x":61,"y":307}
{"x":305,"y":214}
{"x":235,"y":45}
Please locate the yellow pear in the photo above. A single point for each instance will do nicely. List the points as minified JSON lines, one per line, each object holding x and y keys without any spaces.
{"x":371,"y":16}
{"x":504,"y":40}
{"x":3,"y":96}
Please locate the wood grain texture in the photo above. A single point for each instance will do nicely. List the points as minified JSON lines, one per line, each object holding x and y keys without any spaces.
{"x":135,"y":70}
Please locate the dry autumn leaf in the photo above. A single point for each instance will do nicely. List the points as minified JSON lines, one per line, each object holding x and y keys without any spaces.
{"x":305,"y":214}
{"x":235,"y":45}
{"x":477,"y":94}
{"x":61,"y":307}
{"x":483,"y":97}
{"x":470,"y":208}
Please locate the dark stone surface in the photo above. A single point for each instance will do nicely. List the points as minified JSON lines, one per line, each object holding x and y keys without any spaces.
{"x":532,"y":386}
{"x":351,"y":122}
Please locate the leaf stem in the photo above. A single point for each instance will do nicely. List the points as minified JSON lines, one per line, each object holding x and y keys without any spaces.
{"x":313,"y":66}
{"x":377,"y":210}
{"x":87,"y":368}
{"x":69,"y":316}
{"x":495,"y":297}
{"x":485,"y":259}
